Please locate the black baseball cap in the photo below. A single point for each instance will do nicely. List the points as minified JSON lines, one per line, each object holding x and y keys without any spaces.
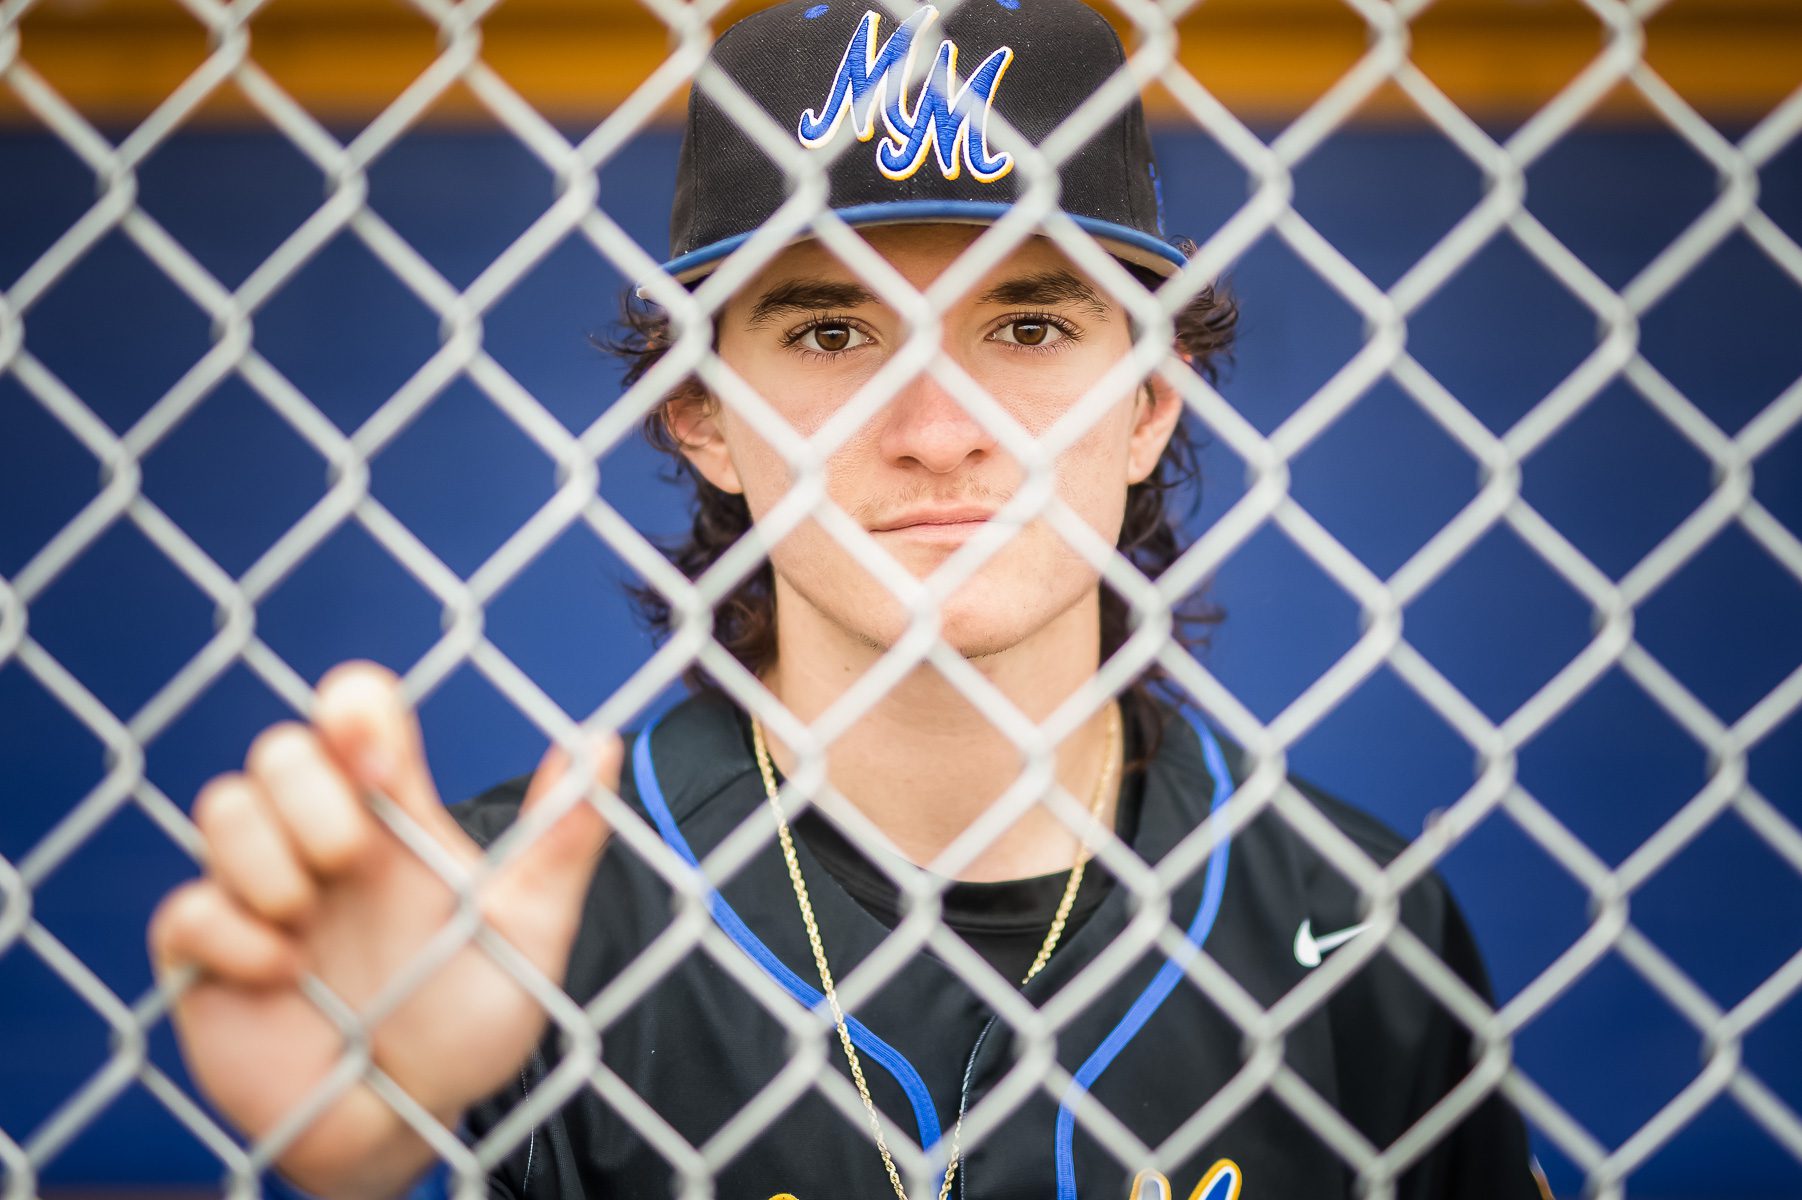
{"x":916,"y":91}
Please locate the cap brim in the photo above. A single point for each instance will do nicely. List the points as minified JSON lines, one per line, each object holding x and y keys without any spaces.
{"x":1123,"y":242}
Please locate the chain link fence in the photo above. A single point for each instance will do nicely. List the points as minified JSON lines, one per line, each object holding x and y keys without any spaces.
{"x":1266,"y":503}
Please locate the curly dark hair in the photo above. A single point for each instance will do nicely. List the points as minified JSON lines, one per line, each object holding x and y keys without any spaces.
{"x":745,"y":621}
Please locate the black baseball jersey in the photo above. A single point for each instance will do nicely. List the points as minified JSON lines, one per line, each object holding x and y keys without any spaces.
{"x":1133,"y":1033}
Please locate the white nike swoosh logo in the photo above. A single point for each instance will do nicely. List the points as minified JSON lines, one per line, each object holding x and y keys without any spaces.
{"x":1309,"y":948}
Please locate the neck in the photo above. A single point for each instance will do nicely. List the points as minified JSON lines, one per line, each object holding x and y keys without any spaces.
{"x":924,"y":762}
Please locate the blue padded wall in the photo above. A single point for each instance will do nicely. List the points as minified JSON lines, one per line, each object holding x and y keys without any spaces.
{"x":1383,"y":479}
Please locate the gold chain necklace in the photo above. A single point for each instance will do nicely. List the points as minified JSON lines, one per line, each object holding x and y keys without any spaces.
{"x":1102,"y":785}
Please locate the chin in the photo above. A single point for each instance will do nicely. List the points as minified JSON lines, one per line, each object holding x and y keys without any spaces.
{"x":1010,"y":600}
{"x":980,"y":639}
{"x":983,"y":625}
{"x":979,"y":620}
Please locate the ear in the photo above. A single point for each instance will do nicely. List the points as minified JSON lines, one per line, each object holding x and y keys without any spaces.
{"x":693,"y":420}
{"x":1155,"y":414}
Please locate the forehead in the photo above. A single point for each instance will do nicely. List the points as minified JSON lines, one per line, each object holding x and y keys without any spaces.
{"x":918,"y":253}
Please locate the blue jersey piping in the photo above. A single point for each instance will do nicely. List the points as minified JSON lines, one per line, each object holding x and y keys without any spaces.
{"x":1162,"y":984}
{"x":644,"y":772}
{"x":890,"y":1059}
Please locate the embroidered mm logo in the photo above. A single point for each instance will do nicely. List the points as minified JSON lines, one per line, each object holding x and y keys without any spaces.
{"x":945,"y":119}
{"x":1220,"y":1183}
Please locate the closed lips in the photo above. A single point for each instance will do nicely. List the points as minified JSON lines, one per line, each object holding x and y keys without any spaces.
{"x":944,"y":516}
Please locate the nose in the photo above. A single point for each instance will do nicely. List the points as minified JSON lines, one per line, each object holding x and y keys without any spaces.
{"x":926,"y":426}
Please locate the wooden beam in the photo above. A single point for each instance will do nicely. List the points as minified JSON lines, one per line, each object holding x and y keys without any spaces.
{"x":345,"y":60}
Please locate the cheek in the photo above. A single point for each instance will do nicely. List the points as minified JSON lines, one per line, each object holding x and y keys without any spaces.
{"x":805,"y":551}
{"x":1041,"y":397}
{"x":802,"y":404}
{"x":1093,"y":474}
{"x":762,"y":473}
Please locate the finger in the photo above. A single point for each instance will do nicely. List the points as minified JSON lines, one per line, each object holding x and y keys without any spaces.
{"x":363,"y":718}
{"x":562,"y":857}
{"x":248,"y":852}
{"x":319,"y":811}
{"x":199,"y":925}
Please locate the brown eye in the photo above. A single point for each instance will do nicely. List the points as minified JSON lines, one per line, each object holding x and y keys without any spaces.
{"x":1029,"y":332}
{"x":832,"y":337}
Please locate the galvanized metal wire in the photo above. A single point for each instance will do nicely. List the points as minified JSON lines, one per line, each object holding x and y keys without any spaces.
{"x":1266,"y":504}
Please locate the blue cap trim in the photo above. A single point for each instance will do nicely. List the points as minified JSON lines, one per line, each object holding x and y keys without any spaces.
{"x":1151,"y":251}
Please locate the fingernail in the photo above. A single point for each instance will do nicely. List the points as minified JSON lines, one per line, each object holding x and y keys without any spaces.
{"x":598,"y":744}
{"x":375,"y":766}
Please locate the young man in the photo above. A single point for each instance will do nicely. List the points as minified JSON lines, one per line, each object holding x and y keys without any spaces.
{"x":1048,"y":1048}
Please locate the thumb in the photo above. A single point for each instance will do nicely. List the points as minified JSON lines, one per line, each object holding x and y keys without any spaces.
{"x":361,"y":714}
{"x":565,"y":852}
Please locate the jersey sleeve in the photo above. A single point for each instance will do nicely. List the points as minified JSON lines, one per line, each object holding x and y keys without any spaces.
{"x":1398,"y":1050}
{"x":1486,"y":1154}
{"x":1400,"y":1053}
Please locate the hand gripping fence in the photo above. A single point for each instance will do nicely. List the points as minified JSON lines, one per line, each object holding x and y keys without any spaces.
{"x":1267,"y":212}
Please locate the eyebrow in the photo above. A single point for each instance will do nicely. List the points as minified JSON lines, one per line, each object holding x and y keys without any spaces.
{"x":807,"y":295}
{"x":1045,"y":288}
